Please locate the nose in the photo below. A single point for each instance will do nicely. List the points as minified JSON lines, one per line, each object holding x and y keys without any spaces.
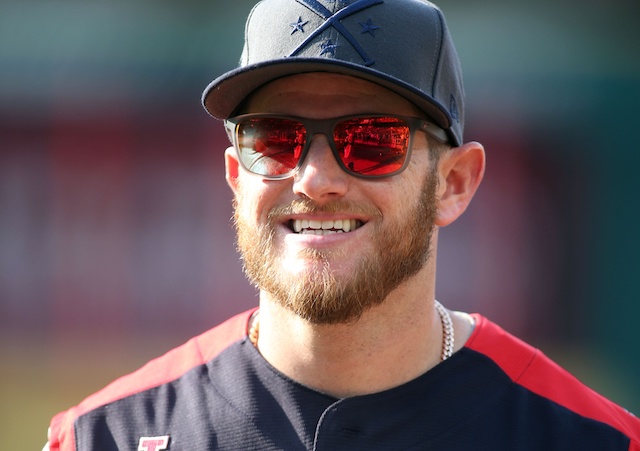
{"x":320,"y":177}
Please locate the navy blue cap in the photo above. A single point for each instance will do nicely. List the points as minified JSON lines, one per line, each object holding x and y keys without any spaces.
{"x":402,"y":45}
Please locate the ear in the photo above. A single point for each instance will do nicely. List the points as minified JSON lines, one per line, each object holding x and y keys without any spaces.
{"x":461,"y":170}
{"x":232,"y":167}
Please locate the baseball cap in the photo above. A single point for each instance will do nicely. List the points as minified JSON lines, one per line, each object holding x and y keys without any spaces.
{"x":402,"y":45}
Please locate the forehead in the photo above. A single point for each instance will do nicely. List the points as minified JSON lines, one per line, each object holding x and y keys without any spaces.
{"x":322,"y":95}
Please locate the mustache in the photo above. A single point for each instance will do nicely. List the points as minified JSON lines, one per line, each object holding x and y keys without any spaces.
{"x":307,"y":206}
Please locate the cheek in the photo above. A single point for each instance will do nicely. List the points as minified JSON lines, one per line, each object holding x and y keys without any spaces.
{"x":255,"y":198}
{"x":249,"y":206}
{"x":420,"y":162}
{"x":408,"y":187}
{"x":399,"y":196}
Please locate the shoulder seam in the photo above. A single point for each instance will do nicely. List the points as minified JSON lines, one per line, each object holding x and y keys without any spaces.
{"x":527,"y":366}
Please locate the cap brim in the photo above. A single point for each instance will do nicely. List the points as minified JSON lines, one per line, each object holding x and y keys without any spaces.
{"x":224,"y":94}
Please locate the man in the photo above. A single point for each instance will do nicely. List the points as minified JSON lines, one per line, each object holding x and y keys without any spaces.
{"x":346,"y":120}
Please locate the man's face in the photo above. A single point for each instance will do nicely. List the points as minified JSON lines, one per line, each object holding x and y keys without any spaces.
{"x":334,"y":277}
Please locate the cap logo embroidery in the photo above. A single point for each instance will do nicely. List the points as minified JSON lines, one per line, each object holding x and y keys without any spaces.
{"x":329,"y":47}
{"x":368,"y":27}
{"x":298,"y":26}
{"x":453,"y":109}
{"x":333,"y":20}
{"x":153,"y":443}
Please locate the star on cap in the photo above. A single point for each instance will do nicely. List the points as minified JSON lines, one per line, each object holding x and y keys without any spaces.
{"x":298,"y":26}
{"x":328,"y":47}
{"x":368,"y":27}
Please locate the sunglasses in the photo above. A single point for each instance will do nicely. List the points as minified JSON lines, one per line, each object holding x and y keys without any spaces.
{"x":369,"y":146}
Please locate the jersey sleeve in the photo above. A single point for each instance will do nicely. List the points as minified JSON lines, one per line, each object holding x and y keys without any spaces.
{"x":530,"y":368}
{"x":164,"y":369}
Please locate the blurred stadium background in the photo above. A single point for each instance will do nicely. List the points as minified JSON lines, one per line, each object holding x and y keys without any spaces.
{"x":115,"y":239}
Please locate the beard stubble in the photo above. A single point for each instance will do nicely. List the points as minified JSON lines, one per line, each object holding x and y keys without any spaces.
{"x":322,"y":295}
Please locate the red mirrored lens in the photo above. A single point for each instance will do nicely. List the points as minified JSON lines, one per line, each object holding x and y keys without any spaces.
{"x":270,"y":146}
{"x":372,"y":146}
{"x":369,"y":146}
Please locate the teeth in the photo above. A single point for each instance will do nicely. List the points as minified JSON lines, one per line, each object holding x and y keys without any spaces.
{"x":319,"y":232}
{"x":326,"y":227}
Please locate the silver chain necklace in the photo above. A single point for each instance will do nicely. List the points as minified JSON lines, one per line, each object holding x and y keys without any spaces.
{"x":447,"y":331}
{"x":445,"y":318}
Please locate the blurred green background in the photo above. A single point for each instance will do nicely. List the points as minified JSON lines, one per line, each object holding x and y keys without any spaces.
{"x":115,"y":239}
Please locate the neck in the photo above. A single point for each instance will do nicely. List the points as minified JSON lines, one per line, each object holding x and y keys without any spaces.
{"x":389,"y":345}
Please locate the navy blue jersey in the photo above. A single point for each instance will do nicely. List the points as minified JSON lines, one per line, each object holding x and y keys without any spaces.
{"x":217,"y":392}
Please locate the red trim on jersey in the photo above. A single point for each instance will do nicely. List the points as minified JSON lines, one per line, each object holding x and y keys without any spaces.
{"x":530,"y":368}
{"x":167,"y":368}
{"x":524,"y":364}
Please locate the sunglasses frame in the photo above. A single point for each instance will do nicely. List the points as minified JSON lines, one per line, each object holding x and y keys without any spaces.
{"x":326,"y":127}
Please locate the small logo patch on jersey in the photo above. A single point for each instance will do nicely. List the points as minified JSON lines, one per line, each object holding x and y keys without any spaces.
{"x":153,"y":443}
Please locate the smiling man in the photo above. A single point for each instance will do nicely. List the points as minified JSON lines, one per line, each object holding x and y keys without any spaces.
{"x":347,"y":156}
